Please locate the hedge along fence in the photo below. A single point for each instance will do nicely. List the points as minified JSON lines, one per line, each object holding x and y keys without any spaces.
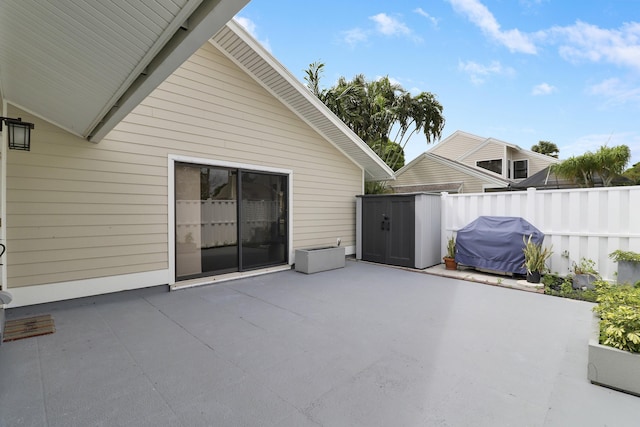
{"x":579,"y":223}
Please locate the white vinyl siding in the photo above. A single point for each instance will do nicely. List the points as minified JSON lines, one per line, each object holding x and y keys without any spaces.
{"x":79,"y":210}
{"x":536,"y":163}
{"x":430,"y":172}
{"x":457,"y":145}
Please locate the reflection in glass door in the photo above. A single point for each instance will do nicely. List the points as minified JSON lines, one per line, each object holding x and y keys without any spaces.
{"x":210,"y":220}
{"x":263,"y":222}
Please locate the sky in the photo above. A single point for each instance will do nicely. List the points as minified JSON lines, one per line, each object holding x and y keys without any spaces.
{"x":521,"y":71}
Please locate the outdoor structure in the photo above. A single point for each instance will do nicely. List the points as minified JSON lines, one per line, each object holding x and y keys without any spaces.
{"x":222,"y":170}
{"x":431,"y":172}
{"x":399,"y":229}
{"x":467,"y":163}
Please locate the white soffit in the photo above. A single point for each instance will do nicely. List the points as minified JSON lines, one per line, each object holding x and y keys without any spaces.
{"x":248,"y":54}
{"x":85,"y":64}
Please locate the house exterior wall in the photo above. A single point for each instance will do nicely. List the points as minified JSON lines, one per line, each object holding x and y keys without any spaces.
{"x":77,"y":211}
{"x":457,"y":145}
{"x":536,"y":163}
{"x":490,"y":151}
{"x":428,"y":171}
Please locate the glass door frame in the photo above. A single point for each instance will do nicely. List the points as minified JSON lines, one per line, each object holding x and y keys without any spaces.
{"x":171,"y":229}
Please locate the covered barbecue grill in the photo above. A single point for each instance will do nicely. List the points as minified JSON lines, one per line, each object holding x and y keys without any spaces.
{"x":495,"y":243}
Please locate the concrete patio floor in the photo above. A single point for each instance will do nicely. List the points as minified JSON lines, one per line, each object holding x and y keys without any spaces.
{"x":366,"y":345}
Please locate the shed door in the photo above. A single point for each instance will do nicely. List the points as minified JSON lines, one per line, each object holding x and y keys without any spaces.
{"x":374,"y":235}
{"x":388,"y":230}
{"x":401,"y":236}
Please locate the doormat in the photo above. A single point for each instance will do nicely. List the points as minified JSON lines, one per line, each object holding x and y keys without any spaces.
{"x":18,"y":329}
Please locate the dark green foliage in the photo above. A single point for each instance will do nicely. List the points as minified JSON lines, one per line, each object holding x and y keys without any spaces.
{"x":562,"y":287}
{"x":546,"y":147}
{"x":375,"y":109}
{"x":607,"y":163}
{"x":633,"y":173}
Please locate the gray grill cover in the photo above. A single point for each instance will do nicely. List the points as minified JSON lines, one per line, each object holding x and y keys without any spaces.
{"x":495,"y":243}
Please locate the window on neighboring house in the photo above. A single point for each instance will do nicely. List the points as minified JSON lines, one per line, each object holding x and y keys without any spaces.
{"x":492,"y":165}
{"x":520,"y":169}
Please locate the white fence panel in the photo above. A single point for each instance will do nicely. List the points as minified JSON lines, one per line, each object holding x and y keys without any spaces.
{"x":579,"y":223}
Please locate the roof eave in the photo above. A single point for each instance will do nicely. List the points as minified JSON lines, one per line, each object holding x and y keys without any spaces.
{"x":374,"y":168}
{"x":205,"y":21}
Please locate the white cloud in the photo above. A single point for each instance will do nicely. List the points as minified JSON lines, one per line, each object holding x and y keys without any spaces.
{"x":355,"y":36}
{"x":389,"y":26}
{"x":615,"y":92}
{"x":478,"y":73}
{"x":248,"y":25}
{"x":587,"y":42}
{"x":434,"y":21}
{"x":478,"y":14}
{"x":251,"y":28}
{"x":581,"y":42}
{"x":385,"y":25}
{"x":543,"y":89}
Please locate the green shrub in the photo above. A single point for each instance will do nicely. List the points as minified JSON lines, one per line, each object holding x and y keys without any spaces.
{"x":552,"y":281}
{"x":619,"y":255}
{"x":619,"y":311}
{"x":585,"y":266}
{"x":562,"y":287}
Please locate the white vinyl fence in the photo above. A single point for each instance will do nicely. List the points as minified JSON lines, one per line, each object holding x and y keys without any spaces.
{"x":579,"y":223}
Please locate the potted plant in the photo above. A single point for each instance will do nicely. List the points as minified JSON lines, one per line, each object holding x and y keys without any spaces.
{"x":614,"y":346}
{"x":584,"y":274}
{"x":628,"y":266}
{"x":450,"y":258}
{"x":535,"y":258}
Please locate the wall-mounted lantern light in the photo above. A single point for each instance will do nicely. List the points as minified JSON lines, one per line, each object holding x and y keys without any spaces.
{"x":19,"y":133}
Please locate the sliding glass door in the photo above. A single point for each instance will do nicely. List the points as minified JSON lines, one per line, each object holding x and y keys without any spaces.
{"x":263,"y":213}
{"x":228,"y":220}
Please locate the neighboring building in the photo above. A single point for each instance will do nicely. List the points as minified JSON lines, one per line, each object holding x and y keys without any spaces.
{"x":222,"y":171}
{"x":432,"y":173}
{"x":463,"y":162}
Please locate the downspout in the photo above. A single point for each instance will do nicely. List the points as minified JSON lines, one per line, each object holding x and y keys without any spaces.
{"x":3,"y":200}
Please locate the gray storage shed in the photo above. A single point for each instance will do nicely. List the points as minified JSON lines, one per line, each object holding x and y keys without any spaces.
{"x":399,"y":229}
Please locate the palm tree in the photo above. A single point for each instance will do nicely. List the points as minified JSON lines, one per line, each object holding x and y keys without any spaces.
{"x":375,"y":109}
{"x":611,"y":162}
{"x":546,"y":147}
{"x":607,"y":163}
